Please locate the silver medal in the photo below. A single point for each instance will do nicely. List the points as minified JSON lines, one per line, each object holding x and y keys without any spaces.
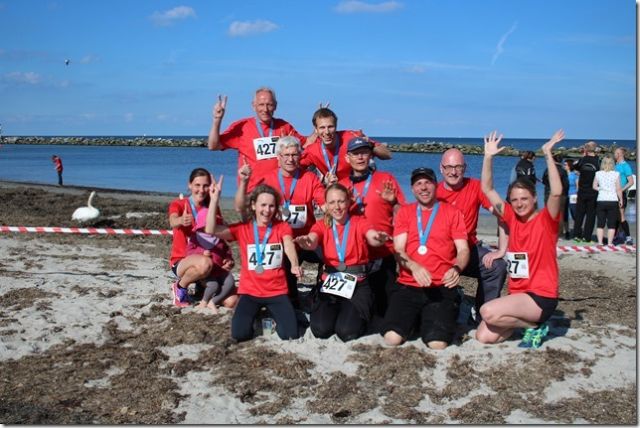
{"x":341,"y":267}
{"x":285,"y":212}
{"x":422,"y":250}
{"x":259,"y":269}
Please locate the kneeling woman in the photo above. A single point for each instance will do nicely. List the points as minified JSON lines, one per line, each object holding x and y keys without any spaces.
{"x":263,"y":240}
{"x":531,"y":254}
{"x":344,"y":303}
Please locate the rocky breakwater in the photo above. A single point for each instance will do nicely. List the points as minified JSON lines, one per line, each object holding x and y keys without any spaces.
{"x":469,"y":149}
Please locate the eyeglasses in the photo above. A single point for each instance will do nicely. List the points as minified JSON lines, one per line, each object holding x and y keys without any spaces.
{"x":450,"y":168}
{"x":290,"y":155}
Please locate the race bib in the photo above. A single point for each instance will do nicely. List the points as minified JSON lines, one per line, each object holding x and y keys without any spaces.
{"x":297,"y":216}
{"x":518,"y":265}
{"x":265,"y":147}
{"x":340,"y":283}
{"x":271,"y":257}
{"x":573,"y":199}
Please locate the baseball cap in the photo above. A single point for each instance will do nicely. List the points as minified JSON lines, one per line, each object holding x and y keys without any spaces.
{"x":427,"y":173}
{"x":356,"y":143}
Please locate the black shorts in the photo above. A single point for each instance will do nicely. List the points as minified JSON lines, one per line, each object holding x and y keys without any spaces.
{"x":433,"y":310}
{"x":547,"y":304}
{"x":174,"y":268}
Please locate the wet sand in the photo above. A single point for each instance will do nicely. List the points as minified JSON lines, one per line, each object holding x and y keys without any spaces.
{"x":88,"y":335}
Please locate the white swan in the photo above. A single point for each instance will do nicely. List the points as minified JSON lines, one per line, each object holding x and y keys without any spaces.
{"x":87,"y":213}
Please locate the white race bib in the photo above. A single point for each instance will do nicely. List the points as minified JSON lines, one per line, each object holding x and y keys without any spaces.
{"x":518,"y":265}
{"x":340,"y":283}
{"x":271,"y":257}
{"x":573,"y":199}
{"x":297,"y":217}
{"x":265,"y":147}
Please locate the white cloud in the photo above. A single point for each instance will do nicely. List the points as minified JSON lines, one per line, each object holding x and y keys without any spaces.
{"x":171,"y":16}
{"x":503,"y":39}
{"x":356,"y":6}
{"x":29,"y":77}
{"x":249,"y":28}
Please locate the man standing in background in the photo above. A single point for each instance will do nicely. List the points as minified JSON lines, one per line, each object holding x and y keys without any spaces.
{"x":586,"y":166}
{"x":57,"y":163}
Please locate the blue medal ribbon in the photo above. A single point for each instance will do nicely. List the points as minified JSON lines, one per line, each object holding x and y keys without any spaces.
{"x":365,"y":190}
{"x":330,"y":168}
{"x":194,"y":212}
{"x":260,"y":246}
{"x":287,"y":200}
{"x":341,"y":246}
{"x":423,"y":234}
{"x":259,"y":126}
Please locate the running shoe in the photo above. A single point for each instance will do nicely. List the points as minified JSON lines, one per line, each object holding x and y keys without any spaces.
{"x":628,"y":241}
{"x":539,"y":334}
{"x":578,"y":240}
{"x":180,"y":295}
{"x":526,"y":338}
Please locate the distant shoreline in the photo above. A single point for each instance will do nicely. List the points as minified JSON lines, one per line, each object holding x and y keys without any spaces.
{"x":417,"y":147}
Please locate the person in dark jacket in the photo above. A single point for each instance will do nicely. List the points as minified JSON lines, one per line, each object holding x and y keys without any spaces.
{"x":585,"y":219}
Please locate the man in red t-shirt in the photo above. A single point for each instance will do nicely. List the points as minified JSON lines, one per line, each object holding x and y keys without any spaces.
{"x":57,"y":163}
{"x":377,"y":196}
{"x":465,"y":193}
{"x":254,"y":137}
{"x":431,"y":245}
{"x":326,"y":148}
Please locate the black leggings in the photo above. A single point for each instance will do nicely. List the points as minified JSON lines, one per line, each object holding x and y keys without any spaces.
{"x":218,"y":288}
{"x":608,"y":214}
{"x":280,"y":308}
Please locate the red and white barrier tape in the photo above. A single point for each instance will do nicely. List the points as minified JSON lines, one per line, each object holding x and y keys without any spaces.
{"x":84,"y":230}
{"x":591,"y":249}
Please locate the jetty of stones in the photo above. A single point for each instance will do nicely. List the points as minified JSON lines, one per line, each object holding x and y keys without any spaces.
{"x":417,"y":147}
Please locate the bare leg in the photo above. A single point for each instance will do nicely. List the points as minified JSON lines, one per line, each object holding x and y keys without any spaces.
{"x":193,"y":268}
{"x":600,"y":235}
{"x":610,"y":234}
{"x":502,"y":315}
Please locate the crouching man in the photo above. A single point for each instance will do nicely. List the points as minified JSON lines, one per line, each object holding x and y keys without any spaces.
{"x":430,"y":240}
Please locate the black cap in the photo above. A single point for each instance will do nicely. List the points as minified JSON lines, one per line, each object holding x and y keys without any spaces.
{"x":427,"y":173}
{"x":356,"y":143}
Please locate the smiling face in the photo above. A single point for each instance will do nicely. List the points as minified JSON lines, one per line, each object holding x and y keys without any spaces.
{"x":452,"y":168}
{"x":199,"y":188}
{"x":424,"y":191}
{"x":264,"y":105}
{"x":523,"y":202}
{"x":359,"y":159}
{"x":326,"y":129}
{"x":337,"y":204}
{"x":264,"y":208}
{"x":289,"y":160}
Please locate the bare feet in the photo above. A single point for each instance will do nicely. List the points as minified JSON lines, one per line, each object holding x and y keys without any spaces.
{"x":212,"y":307}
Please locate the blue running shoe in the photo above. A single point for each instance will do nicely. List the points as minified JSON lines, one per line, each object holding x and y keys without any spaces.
{"x":538,"y":336}
{"x":180,"y":295}
{"x":526,"y":338}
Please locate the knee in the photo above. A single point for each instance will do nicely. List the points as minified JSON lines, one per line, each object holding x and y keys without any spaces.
{"x":347,"y":334}
{"x":321,"y":331}
{"x":203,"y":267}
{"x":437,"y":344}
{"x":487,"y":313}
{"x":230,"y":302}
{"x":391,"y":338}
{"x":483,"y":335}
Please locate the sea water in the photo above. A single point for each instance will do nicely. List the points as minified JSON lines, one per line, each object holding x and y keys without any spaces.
{"x":166,"y":169}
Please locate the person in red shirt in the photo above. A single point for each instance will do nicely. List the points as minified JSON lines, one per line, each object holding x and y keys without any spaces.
{"x":377,"y":196}
{"x":531,"y":254}
{"x":57,"y":163}
{"x":326,"y":148}
{"x":298,"y":190}
{"x":254,"y":137}
{"x":192,"y":266}
{"x":431,"y":245}
{"x":485,"y":265}
{"x":344,"y":302}
{"x":263,"y":241}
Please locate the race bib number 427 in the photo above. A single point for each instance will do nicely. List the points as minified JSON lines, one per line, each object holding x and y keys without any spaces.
{"x":518,"y":265}
{"x":265,"y":147}
{"x":271,"y":257}
{"x":340,"y":284}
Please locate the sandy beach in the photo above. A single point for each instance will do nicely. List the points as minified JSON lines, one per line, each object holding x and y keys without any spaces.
{"x":88,"y":335}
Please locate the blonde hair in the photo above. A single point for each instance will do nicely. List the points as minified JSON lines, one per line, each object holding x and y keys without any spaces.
{"x":607,"y":164}
{"x":328,"y":220}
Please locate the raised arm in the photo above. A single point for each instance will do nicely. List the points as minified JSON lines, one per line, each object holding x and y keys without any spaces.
{"x":211,"y":227}
{"x":213,"y":141}
{"x":241,"y":193}
{"x":554,"y":203}
{"x":491,"y":149}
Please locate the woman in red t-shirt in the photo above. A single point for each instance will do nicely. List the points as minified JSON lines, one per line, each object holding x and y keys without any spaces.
{"x":191,"y":266}
{"x":343,"y":304}
{"x":531,"y":253}
{"x":263,"y":240}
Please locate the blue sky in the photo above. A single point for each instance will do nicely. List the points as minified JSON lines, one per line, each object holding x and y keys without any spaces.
{"x":414,"y":68}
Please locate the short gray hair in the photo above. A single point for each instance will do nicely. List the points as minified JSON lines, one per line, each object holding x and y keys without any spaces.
{"x":286,"y":142}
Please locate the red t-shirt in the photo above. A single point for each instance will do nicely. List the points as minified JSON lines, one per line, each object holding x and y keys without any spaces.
{"x":441,"y":250}
{"x":312,"y":155}
{"x":468,"y":200}
{"x":308,"y":189}
{"x":356,"y":252}
{"x":272,"y":282}
{"x":58,"y":164}
{"x":537,"y":238}
{"x":240,"y":135}
{"x":378,"y":211}
{"x":181,"y":234}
